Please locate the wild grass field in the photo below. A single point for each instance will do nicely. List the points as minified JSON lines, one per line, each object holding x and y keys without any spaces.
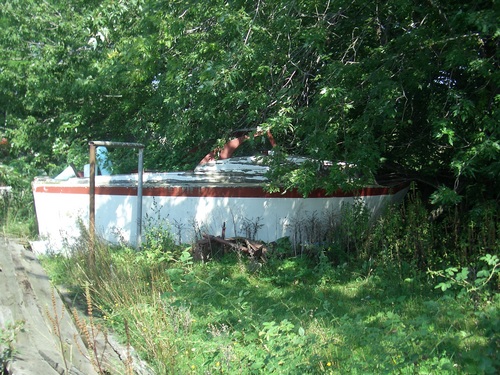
{"x":386,"y":306}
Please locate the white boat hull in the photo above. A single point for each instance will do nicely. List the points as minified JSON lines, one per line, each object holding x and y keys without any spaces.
{"x":189,"y":206}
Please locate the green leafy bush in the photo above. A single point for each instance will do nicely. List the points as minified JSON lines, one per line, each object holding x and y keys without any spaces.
{"x":480,"y":283}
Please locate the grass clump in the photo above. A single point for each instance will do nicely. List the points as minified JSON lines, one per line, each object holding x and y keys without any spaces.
{"x":8,"y":337}
{"x":376,"y":304}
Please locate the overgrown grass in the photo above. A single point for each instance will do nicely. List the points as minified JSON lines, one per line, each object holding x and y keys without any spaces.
{"x":334,"y":309}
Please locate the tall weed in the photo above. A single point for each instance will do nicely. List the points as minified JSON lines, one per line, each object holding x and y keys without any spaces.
{"x":411,"y":234}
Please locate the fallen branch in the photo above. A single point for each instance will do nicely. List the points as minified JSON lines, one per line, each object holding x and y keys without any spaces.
{"x":254,"y":249}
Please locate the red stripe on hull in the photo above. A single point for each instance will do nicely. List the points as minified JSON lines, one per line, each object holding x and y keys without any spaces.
{"x":224,"y":192}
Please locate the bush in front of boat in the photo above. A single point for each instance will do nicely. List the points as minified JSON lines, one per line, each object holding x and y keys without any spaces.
{"x":159,"y":244}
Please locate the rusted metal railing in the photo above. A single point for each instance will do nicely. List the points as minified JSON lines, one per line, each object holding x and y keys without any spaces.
{"x":92,"y":156}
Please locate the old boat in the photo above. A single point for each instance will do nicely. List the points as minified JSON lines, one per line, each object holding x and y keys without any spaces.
{"x":226,"y":194}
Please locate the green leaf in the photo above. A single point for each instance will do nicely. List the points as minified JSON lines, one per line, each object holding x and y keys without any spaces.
{"x":443,"y":286}
{"x":301,"y":331}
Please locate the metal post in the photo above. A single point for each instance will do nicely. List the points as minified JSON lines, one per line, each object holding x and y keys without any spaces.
{"x":92,"y":201}
{"x":139,"y":198}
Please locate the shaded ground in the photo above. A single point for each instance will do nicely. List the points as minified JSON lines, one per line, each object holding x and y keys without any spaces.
{"x":26,"y":295}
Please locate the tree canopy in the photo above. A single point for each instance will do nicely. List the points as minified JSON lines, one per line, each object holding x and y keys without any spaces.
{"x":396,"y":87}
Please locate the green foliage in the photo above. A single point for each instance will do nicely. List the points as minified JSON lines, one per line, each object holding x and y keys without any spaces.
{"x":8,"y":336}
{"x":159,"y":245}
{"x":298,"y":312}
{"x":218,"y":317}
{"x":414,"y":85}
{"x":17,"y":216}
{"x":479,"y":283}
{"x":444,"y":196}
